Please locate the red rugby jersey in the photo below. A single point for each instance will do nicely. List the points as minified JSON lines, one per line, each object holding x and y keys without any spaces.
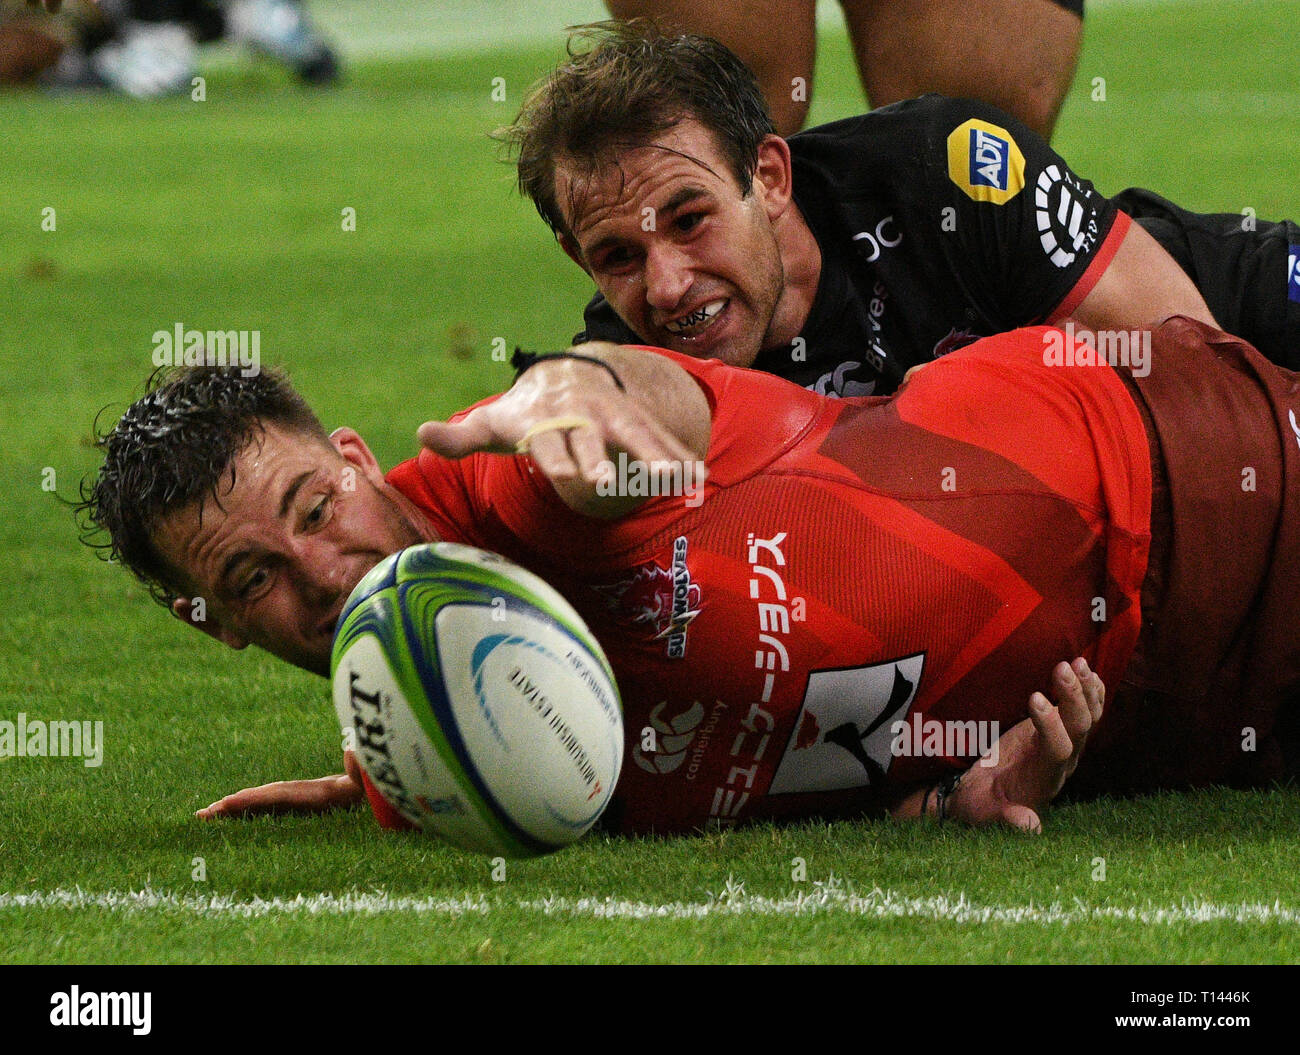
{"x":861,"y":576}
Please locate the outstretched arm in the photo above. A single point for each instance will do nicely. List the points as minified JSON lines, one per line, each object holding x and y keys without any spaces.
{"x":572,"y":417}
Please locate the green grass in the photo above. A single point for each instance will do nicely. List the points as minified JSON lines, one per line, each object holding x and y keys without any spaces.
{"x":227,"y":213}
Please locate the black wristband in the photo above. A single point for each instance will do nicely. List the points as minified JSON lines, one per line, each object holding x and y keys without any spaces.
{"x":945,"y":789}
{"x":925,"y":799}
{"x":522,"y":361}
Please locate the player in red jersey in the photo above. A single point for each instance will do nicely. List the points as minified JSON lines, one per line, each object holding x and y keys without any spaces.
{"x":858,"y":580}
{"x":854,"y":577}
{"x":773,"y":627}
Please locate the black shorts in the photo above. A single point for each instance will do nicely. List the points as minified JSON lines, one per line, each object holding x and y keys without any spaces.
{"x":1247,"y":269}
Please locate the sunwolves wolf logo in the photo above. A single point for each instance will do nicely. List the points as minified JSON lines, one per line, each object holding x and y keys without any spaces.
{"x":657,"y":598}
{"x":955,"y":339}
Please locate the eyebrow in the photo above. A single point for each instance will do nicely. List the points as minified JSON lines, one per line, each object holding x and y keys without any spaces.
{"x":683,"y":197}
{"x":293,"y":490}
{"x":233,"y":561}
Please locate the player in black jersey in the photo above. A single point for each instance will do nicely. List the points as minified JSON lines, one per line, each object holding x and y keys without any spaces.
{"x":862,"y":248}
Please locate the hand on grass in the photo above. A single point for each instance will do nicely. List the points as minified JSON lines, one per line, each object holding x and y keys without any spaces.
{"x":293,"y":796}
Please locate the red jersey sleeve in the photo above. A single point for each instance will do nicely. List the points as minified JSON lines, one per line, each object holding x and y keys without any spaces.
{"x":501,"y":503}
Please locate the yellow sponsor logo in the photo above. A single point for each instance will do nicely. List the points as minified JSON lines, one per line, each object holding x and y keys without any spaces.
{"x":984,"y":161}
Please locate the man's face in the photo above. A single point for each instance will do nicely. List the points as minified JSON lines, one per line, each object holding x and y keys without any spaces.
{"x":688,"y":260}
{"x":276,"y":555}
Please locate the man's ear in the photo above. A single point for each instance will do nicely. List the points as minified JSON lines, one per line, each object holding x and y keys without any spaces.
{"x":574,"y":253}
{"x":348,"y":442}
{"x":194,"y":612}
{"x":774,"y":176}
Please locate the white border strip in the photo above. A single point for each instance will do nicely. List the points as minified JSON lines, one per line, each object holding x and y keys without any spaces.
{"x":821,"y":898}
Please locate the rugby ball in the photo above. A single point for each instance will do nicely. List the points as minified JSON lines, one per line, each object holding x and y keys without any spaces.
{"x":477,"y":701}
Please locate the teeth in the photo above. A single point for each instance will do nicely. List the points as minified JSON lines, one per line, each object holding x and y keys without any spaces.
{"x":700,"y":317}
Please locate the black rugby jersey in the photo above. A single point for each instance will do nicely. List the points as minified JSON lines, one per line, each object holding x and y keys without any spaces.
{"x":939,"y":221}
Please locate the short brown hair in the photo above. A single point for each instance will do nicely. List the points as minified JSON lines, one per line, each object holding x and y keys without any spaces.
{"x":173,"y":446}
{"x":633,"y":84}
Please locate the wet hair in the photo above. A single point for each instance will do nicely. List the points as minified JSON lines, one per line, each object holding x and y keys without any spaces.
{"x":633,"y":83}
{"x":175,"y":446}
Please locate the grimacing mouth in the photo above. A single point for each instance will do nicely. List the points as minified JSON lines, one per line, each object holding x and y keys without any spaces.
{"x":698,"y":319}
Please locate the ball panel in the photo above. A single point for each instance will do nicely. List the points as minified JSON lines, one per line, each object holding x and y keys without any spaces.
{"x":405,"y":763}
{"x":548,"y":751}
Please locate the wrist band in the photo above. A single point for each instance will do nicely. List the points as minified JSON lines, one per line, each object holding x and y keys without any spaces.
{"x":941,"y":791}
{"x":945,"y":789}
{"x":551,"y":425}
{"x":925,"y":799}
{"x":522,"y":361}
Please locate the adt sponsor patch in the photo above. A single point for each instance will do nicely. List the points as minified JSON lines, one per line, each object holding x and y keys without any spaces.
{"x":1293,"y":273}
{"x":984,"y":161}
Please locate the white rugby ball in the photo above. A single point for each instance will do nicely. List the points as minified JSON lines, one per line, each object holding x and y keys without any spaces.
{"x":481,"y":706}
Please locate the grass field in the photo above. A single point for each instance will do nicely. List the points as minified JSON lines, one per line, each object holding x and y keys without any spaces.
{"x":226,"y":214}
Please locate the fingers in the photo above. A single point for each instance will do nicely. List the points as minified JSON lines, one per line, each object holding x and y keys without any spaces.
{"x":1017,"y":816}
{"x":1072,"y":703}
{"x":286,"y":796}
{"x":1079,"y":696}
{"x":457,"y":439}
{"x":231,"y":805}
{"x":550,"y":451}
{"x":589,"y":455}
{"x":644,"y":438}
{"x":351,"y":767}
{"x":563,"y":447}
{"x":1093,"y":689}
{"x":1055,"y":744}
{"x":268,"y":798}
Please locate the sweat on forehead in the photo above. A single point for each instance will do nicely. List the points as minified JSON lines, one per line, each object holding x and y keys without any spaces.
{"x":582,"y":178}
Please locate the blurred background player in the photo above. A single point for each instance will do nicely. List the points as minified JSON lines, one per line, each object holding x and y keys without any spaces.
{"x":1019,"y":55}
{"x":30,"y":41}
{"x":149,"y":48}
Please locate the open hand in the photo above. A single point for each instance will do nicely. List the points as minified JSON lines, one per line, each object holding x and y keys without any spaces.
{"x":1034,"y":758}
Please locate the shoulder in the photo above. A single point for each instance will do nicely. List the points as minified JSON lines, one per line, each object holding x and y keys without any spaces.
{"x":906,"y":127}
{"x":756,"y":417}
{"x":911,"y":153}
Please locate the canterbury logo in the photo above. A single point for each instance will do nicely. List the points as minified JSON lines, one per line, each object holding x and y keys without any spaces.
{"x":663,"y":745}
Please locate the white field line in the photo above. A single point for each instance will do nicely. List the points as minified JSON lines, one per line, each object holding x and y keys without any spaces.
{"x":819,"y":899}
